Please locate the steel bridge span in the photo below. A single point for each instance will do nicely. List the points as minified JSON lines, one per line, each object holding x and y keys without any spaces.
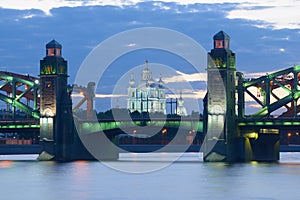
{"x":275,"y":97}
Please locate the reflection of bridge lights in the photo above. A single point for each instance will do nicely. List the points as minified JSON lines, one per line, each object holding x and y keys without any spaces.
{"x":164,"y":131}
{"x":6,"y":164}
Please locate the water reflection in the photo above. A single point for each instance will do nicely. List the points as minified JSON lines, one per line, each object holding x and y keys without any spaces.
{"x":187,"y":178}
{"x":6,"y":164}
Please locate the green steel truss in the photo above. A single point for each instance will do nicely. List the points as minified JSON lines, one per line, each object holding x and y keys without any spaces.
{"x":15,"y":87}
{"x":276,"y":92}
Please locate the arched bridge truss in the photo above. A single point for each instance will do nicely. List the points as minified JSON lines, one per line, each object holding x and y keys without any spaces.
{"x":21,"y":92}
{"x":88,"y":96}
{"x":275,"y":97}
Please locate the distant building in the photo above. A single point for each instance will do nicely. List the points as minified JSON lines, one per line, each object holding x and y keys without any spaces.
{"x":181,"y":110}
{"x":147,"y":96}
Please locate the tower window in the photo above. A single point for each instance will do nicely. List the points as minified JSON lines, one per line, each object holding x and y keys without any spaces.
{"x":50,"y":52}
{"x":48,"y":84}
{"x":219,"y":44}
{"x":58,"y":52}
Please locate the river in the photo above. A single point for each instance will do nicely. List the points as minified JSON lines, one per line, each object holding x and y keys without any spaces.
{"x":149,"y":176}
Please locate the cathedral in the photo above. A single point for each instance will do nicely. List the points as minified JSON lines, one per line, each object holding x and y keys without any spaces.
{"x":148,"y":95}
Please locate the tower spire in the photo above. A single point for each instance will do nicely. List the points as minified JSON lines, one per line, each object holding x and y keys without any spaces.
{"x":160,"y":81}
{"x":147,"y":74}
{"x":132,"y":81}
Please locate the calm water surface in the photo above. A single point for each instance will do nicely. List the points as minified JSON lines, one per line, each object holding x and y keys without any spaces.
{"x":187,"y":178}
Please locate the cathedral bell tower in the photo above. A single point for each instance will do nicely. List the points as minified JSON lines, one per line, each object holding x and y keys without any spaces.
{"x":220,"y":113}
{"x":55,"y":103}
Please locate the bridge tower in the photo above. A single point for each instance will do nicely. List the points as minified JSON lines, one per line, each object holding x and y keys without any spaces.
{"x":56,"y":122}
{"x":222,"y":140}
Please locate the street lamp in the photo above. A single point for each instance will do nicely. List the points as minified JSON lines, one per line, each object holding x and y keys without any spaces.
{"x":289,"y":136}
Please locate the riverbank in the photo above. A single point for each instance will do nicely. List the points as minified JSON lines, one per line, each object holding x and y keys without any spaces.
{"x":6,"y":149}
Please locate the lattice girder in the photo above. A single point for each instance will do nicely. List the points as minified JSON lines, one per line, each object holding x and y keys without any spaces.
{"x":274,"y":91}
{"x":16,"y":87}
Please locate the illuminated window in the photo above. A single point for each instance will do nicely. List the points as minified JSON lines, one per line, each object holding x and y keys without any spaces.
{"x":50,"y":52}
{"x":219,"y":44}
{"x":58,"y":52}
{"x":48,"y":84}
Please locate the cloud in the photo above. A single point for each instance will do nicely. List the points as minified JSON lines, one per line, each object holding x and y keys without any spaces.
{"x":131,"y":45}
{"x":101,"y":95}
{"x":110,"y":95}
{"x":269,"y":37}
{"x":275,"y":14}
{"x":182,"y":77}
{"x":44,"y":5}
{"x":196,"y":94}
{"x":282,"y":49}
{"x":29,"y":16}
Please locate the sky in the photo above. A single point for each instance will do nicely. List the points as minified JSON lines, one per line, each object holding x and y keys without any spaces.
{"x":265,"y":35}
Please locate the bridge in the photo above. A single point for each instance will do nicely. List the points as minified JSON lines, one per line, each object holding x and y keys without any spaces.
{"x":232,"y":132}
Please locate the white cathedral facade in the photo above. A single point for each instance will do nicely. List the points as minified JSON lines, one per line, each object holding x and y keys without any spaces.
{"x":148,"y":95}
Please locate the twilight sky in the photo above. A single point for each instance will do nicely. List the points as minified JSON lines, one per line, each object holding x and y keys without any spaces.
{"x":265,"y":35}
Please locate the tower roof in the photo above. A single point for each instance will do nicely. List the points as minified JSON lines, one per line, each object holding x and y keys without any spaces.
{"x":221,"y":36}
{"x":53,"y":44}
